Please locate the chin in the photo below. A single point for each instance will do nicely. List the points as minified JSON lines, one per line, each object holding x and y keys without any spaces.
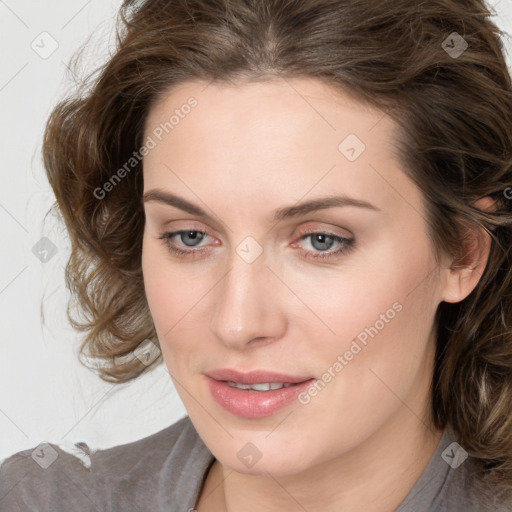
{"x":251,"y":455}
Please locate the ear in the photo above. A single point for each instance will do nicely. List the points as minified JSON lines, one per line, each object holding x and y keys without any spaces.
{"x":464,"y":273}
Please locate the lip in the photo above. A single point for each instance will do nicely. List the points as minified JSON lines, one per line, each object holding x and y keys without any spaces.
{"x":254,"y":377}
{"x":250,"y":403}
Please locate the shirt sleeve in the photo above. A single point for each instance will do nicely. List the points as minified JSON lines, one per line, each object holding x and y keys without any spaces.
{"x":46,"y":479}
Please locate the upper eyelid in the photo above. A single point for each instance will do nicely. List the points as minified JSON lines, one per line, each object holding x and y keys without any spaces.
{"x":303,"y":230}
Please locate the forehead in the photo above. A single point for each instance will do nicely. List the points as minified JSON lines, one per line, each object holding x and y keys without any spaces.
{"x":287,"y":137}
{"x":296,"y":108}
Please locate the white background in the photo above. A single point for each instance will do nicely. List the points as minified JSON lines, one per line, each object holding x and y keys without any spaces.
{"x":45,"y":394}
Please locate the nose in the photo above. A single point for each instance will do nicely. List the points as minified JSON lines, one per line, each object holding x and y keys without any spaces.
{"x":247,"y":308}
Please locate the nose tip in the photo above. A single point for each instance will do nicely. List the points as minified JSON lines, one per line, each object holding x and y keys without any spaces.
{"x":244,"y":312}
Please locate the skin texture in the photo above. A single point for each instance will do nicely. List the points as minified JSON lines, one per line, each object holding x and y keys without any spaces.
{"x":244,"y":151}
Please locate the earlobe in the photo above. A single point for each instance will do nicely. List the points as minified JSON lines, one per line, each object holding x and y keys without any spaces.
{"x":465,"y":271}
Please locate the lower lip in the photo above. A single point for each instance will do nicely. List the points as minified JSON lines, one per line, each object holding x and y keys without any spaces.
{"x":254,"y":404}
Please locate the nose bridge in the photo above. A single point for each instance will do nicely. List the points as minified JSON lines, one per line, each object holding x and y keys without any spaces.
{"x":244,"y":309}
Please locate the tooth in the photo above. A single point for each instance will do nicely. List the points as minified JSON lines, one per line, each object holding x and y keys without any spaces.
{"x":239,"y":386}
{"x":261,"y":387}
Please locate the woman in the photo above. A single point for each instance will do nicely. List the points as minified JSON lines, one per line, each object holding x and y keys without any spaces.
{"x":305,"y":206}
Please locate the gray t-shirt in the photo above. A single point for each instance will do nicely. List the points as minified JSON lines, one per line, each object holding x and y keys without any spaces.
{"x":165,"y":472}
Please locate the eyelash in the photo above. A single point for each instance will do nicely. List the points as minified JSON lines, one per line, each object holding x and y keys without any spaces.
{"x":347,"y":245}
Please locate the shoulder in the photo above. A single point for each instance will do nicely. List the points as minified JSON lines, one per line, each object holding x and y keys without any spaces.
{"x":466,"y":488}
{"x":467,"y":491}
{"x":453,"y":482}
{"x":48,"y":476}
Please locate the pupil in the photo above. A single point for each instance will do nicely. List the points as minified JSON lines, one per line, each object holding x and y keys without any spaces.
{"x":194,"y":236}
{"x":325,"y":242}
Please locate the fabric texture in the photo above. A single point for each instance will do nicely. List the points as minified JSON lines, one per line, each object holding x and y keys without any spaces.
{"x":164,"y":472}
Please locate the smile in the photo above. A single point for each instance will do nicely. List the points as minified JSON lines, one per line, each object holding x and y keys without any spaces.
{"x":255,"y":400}
{"x":266,"y":386}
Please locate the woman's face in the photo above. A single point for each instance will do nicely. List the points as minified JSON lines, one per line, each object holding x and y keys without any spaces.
{"x":275,"y":275}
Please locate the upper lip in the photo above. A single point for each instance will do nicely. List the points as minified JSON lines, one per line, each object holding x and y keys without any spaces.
{"x":254,"y":377}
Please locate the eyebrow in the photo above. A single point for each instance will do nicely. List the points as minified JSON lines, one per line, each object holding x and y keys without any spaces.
{"x":280,"y":214}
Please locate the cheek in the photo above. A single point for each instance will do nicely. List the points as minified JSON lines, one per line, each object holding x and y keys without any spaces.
{"x":164,"y":291}
{"x":168,"y":302}
{"x":166,"y":312}
{"x":376,"y":309}
{"x":381,"y":353}
{"x":176,"y":299}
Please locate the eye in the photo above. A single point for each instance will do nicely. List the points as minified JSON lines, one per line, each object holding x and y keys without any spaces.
{"x":188,"y":243}
{"x":322,"y":243}
{"x":188,"y":238}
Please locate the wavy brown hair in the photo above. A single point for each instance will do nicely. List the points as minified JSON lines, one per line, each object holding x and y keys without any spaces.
{"x":455,"y":118}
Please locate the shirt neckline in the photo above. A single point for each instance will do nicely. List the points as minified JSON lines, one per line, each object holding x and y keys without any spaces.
{"x":198,"y":460}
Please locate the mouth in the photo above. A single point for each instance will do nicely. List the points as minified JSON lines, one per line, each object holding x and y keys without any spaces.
{"x":256,"y":394}
{"x":255,"y":377}
{"x":263,"y":386}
